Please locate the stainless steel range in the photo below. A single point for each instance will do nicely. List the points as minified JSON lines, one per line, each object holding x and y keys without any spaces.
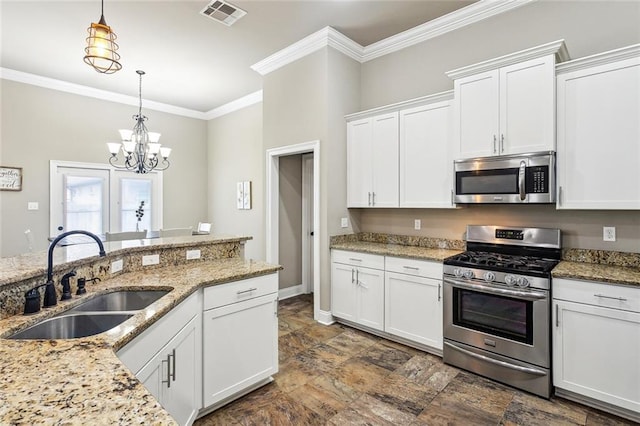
{"x":497,"y":303}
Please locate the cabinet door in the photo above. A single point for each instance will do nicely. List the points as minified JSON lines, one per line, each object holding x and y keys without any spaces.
{"x":413,"y":308}
{"x":183,"y":395}
{"x":343,"y":291}
{"x":596,"y":352}
{"x":426,"y":160}
{"x":240,"y":346}
{"x":359,"y":157}
{"x":476,"y":115}
{"x":152,"y":375}
{"x":384,"y":161}
{"x":370,"y":298}
{"x":598,"y":161}
{"x":527,"y":106}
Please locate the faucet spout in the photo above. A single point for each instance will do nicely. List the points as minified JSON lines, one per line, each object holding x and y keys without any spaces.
{"x":60,"y":237}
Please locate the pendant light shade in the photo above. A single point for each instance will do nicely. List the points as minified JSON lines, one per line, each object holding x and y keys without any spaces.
{"x":101,"y":51}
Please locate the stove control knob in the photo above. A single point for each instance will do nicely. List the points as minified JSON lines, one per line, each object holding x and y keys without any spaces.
{"x":468,"y":274}
{"x":489,"y":276}
{"x":523,"y":282}
{"x":510,"y":280}
{"x":457,"y":272}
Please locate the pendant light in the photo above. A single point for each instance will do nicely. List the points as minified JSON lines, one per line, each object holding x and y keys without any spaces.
{"x":101,"y":51}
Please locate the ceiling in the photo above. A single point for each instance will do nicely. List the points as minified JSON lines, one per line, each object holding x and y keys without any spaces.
{"x":191,"y":61}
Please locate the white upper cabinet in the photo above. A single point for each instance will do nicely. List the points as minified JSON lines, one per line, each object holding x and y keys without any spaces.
{"x":372,"y":158}
{"x":507,"y":105}
{"x":426,"y":156}
{"x":598,"y":158}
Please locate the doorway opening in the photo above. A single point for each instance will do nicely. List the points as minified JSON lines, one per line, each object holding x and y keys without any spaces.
{"x":310,"y":216}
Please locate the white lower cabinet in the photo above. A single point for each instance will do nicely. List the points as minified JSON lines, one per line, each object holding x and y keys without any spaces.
{"x":240,"y":329}
{"x":396,"y":296}
{"x":596,"y":344}
{"x":413,"y":301}
{"x":167,"y":359}
{"x":357,"y":288}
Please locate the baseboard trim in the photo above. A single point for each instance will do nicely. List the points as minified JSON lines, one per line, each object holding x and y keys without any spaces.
{"x":285,"y":293}
{"x":325,"y":317}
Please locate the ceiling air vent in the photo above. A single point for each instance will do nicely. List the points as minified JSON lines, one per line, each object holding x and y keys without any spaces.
{"x":223,"y":12}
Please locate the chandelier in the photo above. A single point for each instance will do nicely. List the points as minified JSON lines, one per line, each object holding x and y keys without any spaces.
{"x":101,"y":47}
{"x":139,"y":146}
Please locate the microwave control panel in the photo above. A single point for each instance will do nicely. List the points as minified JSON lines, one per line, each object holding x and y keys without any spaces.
{"x":536,"y":180}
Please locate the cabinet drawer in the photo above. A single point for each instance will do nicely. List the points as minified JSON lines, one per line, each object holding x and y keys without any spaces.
{"x":421,"y":268}
{"x":355,"y":258}
{"x":238,"y":291}
{"x":598,"y":294}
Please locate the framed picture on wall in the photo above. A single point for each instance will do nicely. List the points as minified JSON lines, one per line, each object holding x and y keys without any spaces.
{"x":10,"y":178}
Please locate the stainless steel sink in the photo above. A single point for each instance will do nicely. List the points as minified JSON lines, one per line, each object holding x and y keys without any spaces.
{"x":73,"y":326}
{"x":120,"y":301}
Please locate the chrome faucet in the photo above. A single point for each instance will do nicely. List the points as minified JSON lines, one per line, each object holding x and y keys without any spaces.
{"x":32,"y":297}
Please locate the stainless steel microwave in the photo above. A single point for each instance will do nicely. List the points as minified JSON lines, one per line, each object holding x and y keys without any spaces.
{"x":518,"y":178}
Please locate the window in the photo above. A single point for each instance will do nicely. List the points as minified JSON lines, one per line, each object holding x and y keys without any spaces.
{"x":98,"y":198}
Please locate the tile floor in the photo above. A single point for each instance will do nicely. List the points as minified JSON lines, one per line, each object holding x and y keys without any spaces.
{"x":336,"y":375}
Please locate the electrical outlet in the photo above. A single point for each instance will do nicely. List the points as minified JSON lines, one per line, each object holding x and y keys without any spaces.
{"x":344,"y":222}
{"x":150,"y":259}
{"x":417,"y":224}
{"x":193,"y":254}
{"x":32,"y":205}
{"x":116,"y":266}
{"x":609,"y":233}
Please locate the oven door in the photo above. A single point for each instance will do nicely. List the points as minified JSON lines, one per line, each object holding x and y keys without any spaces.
{"x":505,"y":321}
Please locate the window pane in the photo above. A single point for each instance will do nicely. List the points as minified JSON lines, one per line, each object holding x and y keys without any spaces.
{"x":134,"y":192}
{"x":83,"y":203}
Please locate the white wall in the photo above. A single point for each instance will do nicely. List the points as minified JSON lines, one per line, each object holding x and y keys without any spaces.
{"x":235,"y":154}
{"x":41,"y":124}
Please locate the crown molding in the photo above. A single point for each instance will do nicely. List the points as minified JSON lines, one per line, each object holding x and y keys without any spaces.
{"x":557,"y":48}
{"x":628,"y":52}
{"x":329,"y":36}
{"x":423,"y":100}
{"x":77,"y":89}
{"x":468,"y":15}
{"x":243,"y":102}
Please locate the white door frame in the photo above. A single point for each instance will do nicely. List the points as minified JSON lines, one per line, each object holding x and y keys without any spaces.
{"x":273,"y":202}
{"x":307,"y":220}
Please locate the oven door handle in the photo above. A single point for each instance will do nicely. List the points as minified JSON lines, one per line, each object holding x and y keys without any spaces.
{"x":525,"y":295}
{"x":504,"y":364}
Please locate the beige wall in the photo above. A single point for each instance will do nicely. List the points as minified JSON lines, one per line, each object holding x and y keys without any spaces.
{"x":587,"y":28}
{"x":40,"y":124}
{"x":290,"y":220}
{"x":235,"y":154}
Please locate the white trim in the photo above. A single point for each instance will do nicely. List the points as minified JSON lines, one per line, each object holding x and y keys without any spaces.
{"x":557,"y":48}
{"x":272,"y":206}
{"x":616,"y":55}
{"x":325,"y":318}
{"x":77,"y":89}
{"x":329,"y":36}
{"x":243,"y":102}
{"x":423,"y":100}
{"x":285,"y":293}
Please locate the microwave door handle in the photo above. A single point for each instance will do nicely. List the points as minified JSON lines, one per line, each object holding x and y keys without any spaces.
{"x":521,"y":174}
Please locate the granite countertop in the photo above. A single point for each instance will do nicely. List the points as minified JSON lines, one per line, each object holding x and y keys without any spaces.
{"x":611,"y":274}
{"x":81,"y":380}
{"x":398,"y":250}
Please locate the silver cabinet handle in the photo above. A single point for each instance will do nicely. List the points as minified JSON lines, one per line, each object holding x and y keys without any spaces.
{"x":170,"y":375}
{"x":621,"y":299}
{"x":521,"y":173}
{"x":246,"y":291}
{"x":355,"y":259}
{"x":173,"y":356}
{"x":452,"y":197}
{"x":373,"y":198}
{"x":352,"y":276}
{"x":559,"y":195}
{"x":502,"y":143}
{"x":369,"y":202}
{"x":275,"y":307}
{"x":557,"y":316}
{"x":439,"y":286}
{"x":494,"y":144}
{"x":412,"y":268}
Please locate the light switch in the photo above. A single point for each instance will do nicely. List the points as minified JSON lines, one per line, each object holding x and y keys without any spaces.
{"x":344,"y":222}
{"x":150,"y":259}
{"x":116,"y":266}
{"x":32,"y":205}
